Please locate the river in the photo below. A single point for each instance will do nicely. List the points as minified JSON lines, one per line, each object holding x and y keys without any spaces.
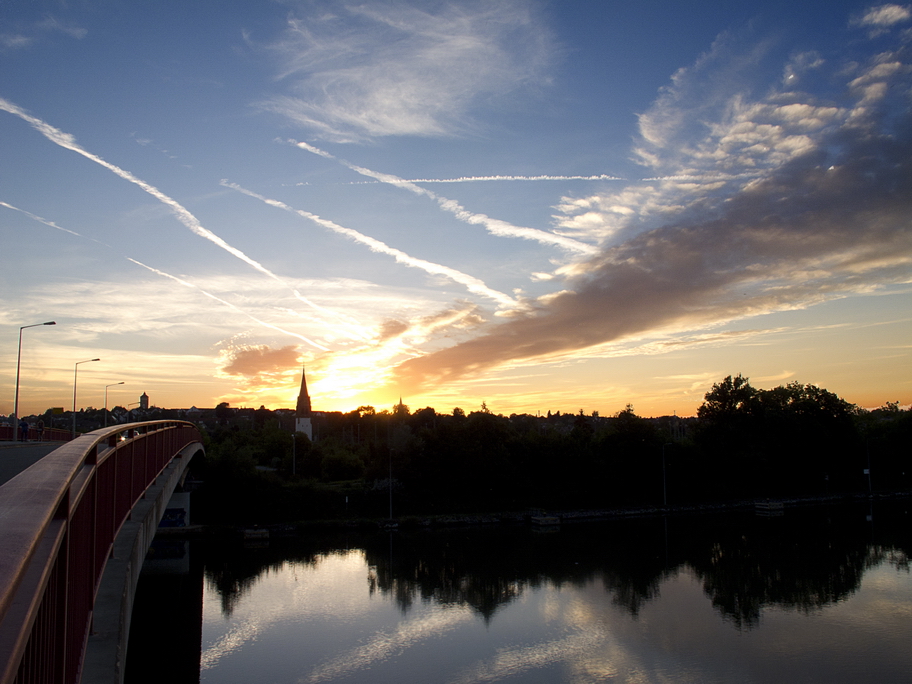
{"x":821,"y":594}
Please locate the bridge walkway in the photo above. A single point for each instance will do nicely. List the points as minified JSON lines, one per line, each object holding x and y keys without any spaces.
{"x":17,"y":456}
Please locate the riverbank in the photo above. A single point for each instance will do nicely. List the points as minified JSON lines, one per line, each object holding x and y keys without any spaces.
{"x":555,"y":518}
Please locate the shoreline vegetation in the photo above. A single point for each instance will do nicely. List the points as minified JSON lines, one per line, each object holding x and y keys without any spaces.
{"x":794,"y":443}
{"x":554,"y":518}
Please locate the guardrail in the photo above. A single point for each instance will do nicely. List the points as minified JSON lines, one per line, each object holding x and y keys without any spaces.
{"x":58,"y":521}
{"x":52,"y":434}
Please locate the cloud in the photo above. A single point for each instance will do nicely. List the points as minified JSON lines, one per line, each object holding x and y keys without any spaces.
{"x":232,"y":306}
{"x":671,"y":130}
{"x":51,"y":23}
{"x":823,"y":218}
{"x":355,"y":72}
{"x":258,"y":362}
{"x":182,"y":281}
{"x":364,"y":368}
{"x":802,"y":64}
{"x":461,"y":316}
{"x":710,"y":126}
{"x":720,"y":126}
{"x":14,"y":41}
{"x":883,"y":17}
{"x":345,"y":357}
{"x":391,"y":328}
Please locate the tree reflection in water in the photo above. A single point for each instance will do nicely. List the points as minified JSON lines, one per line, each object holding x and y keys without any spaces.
{"x":804,"y":560}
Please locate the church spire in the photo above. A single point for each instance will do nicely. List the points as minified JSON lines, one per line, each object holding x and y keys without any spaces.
{"x":303,"y":408}
{"x":303,"y":422}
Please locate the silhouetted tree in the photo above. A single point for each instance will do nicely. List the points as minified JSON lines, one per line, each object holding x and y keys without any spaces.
{"x":223,"y":413}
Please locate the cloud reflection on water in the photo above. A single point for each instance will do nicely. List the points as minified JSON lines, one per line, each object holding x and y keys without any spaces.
{"x":716,"y":600}
{"x":388,"y":643}
{"x":516,"y":660}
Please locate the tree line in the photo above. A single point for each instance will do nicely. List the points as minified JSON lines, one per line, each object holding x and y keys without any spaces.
{"x":817,"y":560}
{"x":745,"y":442}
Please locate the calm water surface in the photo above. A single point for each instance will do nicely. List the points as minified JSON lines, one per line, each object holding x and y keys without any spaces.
{"x":813,"y":596}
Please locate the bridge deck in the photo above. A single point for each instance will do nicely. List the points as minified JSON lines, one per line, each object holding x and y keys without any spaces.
{"x":16,"y":456}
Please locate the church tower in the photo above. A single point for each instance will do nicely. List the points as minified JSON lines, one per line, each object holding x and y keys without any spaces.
{"x":303,"y":413}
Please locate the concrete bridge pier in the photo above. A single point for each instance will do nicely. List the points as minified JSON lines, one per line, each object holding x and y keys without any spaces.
{"x":166,"y":642}
{"x":106,"y":650}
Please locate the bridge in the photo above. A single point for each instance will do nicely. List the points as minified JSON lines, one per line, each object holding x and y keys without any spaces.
{"x":74,"y":529}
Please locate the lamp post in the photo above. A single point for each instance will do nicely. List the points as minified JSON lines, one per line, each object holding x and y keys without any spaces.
{"x":106,"y":401}
{"x":18,"y":361}
{"x":130,"y":410}
{"x":664,"y":487}
{"x":75,"y":372}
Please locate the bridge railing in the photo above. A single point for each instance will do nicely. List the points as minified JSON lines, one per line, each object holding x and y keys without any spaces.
{"x":49,"y":434}
{"x":58,"y":521}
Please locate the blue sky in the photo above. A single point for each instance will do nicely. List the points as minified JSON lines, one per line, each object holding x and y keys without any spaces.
{"x":538,"y":205}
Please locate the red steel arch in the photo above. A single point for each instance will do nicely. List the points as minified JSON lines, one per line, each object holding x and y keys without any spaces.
{"x":58,"y":522}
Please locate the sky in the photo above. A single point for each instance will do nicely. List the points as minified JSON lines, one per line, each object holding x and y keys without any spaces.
{"x":542,"y":206}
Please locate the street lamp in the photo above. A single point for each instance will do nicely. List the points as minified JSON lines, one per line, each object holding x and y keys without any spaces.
{"x":75,"y":372}
{"x":18,"y":360}
{"x":130,"y":409}
{"x":664,"y":487}
{"x":106,"y":401}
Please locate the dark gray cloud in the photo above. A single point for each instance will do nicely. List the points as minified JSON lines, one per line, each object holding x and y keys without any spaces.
{"x":832,"y":222}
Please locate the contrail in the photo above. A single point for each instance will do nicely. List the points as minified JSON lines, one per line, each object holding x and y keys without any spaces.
{"x":482,"y":179}
{"x":494,"y":226}
{"x":68,"y":141}
{"x":470,"y":282}
{"x":51,"y":224}
{"x":229,"y":305}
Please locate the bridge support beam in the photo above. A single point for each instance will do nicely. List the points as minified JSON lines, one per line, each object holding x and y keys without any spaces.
{"x":106,"y":651}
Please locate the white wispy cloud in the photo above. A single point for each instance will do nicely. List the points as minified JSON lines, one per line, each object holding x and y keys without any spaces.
{"x":231,"y":306}
{"x":52,"y":23}
{"x":718,"y":127}
{"x":471,"y":283}
{"x":492,"y":225}
{"x":881,"y":18}
{"x":25,"y":35}
{"x":354,"y":72}
{"x":182,"y":281}
{"x":14,"y":41}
